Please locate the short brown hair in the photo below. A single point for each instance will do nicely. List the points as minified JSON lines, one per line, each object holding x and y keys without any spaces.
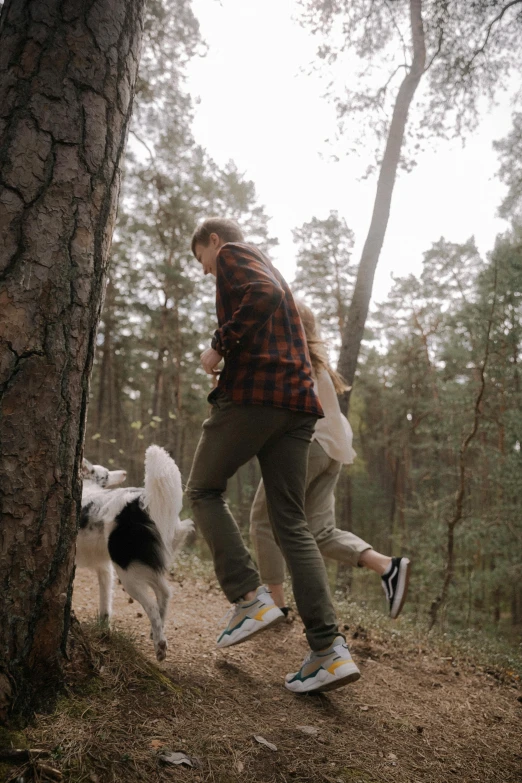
{"x":227,"y":230}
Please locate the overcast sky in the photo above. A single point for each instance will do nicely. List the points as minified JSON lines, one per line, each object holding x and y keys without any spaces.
{"x":256,"y":53}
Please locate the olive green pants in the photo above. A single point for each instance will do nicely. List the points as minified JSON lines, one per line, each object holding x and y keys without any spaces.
{"x":280,"y":439}
{"x":340,"y":545}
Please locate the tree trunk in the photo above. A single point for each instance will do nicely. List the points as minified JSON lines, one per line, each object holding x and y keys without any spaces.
{"x":460,"y":496}
{"x":159,"y":378}
{"x":67,"y":76}
{"x":105,"y":406}
{"x":358,"y":311}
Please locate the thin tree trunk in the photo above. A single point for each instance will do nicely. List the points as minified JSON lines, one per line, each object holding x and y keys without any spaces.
{"x":105,"y":405}
{"x":516,"y":604}
{"x":67,"y":77}
{"x":339,"y":301}
{"x":358,"y":310}
{"x":458,"y":513}
{"x":159,"y":380}
{"x":393,"y":507}
{"x":429,"y":365}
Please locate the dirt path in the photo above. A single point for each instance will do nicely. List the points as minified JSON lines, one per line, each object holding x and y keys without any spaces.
{"x":413,"y":716}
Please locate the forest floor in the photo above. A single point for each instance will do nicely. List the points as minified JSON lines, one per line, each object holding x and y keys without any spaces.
{"x":418,"y":713}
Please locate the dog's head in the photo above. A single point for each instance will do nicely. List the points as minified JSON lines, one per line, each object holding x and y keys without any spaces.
{"x":103,"y":478}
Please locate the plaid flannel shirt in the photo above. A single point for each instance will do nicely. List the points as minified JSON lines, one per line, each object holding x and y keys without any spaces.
{"x":260,"y":334}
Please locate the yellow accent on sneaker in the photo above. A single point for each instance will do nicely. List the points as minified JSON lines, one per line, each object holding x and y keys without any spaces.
{"x":335,"y":665}
{"x":259,"y":616}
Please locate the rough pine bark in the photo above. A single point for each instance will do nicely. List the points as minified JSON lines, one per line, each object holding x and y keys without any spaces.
{"x":67,"y":75}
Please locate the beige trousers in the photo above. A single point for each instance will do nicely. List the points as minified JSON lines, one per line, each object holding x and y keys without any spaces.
{"x":336,"y":544}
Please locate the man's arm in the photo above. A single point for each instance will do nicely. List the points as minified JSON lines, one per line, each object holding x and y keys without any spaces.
{"x":258,"y":290}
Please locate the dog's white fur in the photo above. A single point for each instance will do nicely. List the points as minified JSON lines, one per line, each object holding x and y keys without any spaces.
{"x":161,"y":499}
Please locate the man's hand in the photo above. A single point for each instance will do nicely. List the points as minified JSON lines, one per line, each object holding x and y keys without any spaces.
{"x":210,"y":360}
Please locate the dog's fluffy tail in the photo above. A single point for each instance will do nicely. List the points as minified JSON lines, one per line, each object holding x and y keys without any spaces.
{"x":164,"y":495}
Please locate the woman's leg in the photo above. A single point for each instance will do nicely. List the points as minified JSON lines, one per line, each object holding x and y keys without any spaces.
{"x":336,"y":544}
{"x":270,"y":560}
{"x":374,"y":561}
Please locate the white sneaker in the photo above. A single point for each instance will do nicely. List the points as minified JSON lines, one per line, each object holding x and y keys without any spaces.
{"x":324,"y":671}
{"x":249,"y":617}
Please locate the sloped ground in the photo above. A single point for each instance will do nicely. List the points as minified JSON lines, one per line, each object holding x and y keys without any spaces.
{"x":415,"y":715}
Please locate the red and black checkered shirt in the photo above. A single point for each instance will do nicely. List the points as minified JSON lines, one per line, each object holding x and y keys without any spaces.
{"x":260,"y":334}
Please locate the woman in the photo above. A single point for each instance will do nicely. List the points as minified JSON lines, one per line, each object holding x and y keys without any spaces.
{"x":331,"y":448}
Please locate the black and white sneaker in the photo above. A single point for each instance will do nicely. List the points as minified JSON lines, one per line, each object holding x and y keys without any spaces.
{"x":395,"y":584}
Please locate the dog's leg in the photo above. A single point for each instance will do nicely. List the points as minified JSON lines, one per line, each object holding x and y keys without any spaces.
{"x":105,"y":575}
{"x":135,"y":580}
{"x":162,"y":592}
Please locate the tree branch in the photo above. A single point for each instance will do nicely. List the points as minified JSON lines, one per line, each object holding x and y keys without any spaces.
{"x":499,"y":16}
{"x":138,"y":138}
{"x":439,"y":47}
{"x":399,"y":31}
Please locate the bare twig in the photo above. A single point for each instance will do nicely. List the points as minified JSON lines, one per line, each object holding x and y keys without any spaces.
{"x":144,"y":143}
{"x":399,"y":31}
{"x":437,"y":52}
{"x":493,"y":22}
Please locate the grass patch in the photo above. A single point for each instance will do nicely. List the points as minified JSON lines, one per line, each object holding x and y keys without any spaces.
{"x":104,"y":727}
{"x":412,"y":716}
{"x":496,"y":656}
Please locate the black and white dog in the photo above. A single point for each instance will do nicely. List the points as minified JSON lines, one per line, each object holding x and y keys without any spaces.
{"x":136,"y":530}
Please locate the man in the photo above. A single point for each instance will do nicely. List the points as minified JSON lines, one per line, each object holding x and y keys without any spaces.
{"x":264,"y":405}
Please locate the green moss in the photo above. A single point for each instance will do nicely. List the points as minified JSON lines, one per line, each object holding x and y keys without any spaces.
{"x":354,"y":775}
{"x":12,"y":738}
{"x":5,"y":769}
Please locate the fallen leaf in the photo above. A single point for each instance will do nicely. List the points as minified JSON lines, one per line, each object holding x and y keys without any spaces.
{"x":391,"y":757}
{"x":263,"y":741}
{"x":156,"y":743}
{"x":176,"y":758}
{"x":364,"y":708}
{"x":308,"y":729}
{"x":240,"y":766}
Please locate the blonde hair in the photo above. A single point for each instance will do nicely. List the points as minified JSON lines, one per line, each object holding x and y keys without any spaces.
{"x":317,"y":347}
